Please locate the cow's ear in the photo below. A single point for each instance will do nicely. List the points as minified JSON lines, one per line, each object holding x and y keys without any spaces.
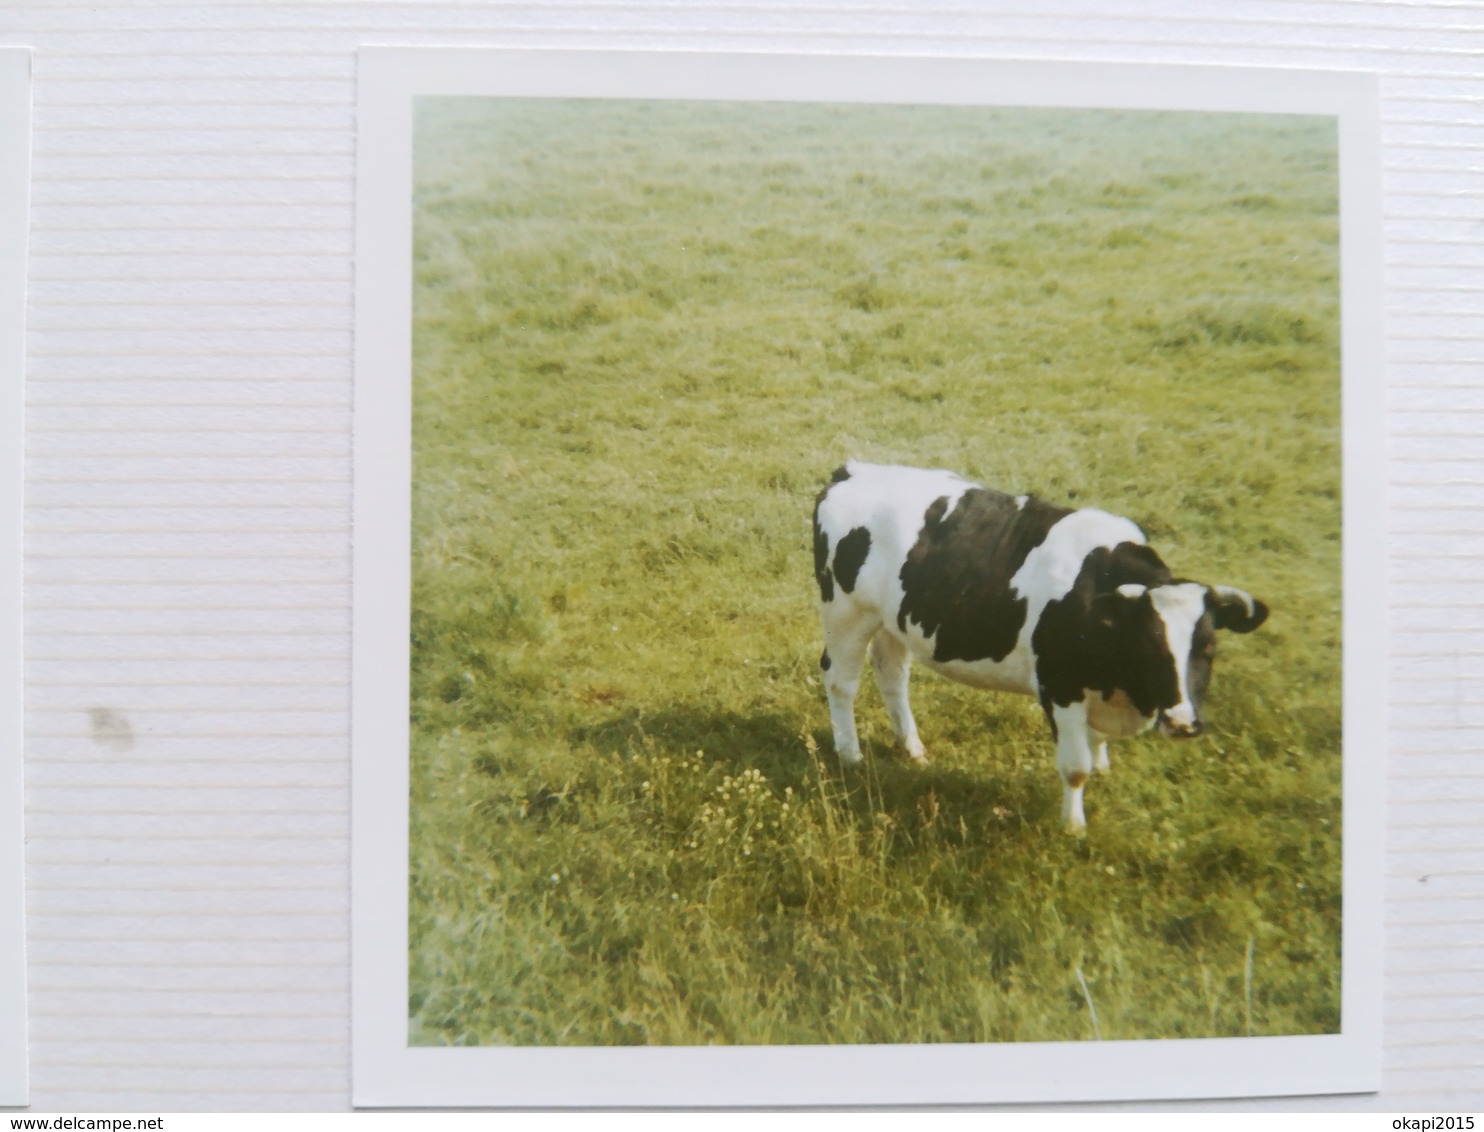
{"x":1236,"y":609}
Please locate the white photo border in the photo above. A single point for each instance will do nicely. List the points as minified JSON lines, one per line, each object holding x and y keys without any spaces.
{"x":15,"y":188}
{"x":386,"y":1071}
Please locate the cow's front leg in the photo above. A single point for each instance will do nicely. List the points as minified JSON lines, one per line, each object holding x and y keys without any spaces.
{"x":893,"y":664}
{"x":1074,"y":761}
{"x":847,"y":633}
{"x":1099,"y":743}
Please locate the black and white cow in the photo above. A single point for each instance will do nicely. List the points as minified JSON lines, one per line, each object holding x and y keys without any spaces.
{"x":1011,"y":593}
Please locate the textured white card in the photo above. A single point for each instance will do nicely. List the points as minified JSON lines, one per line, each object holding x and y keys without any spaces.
{"x":188,"y":504}
{"x":395,"y":1066}
{"x":15,"y":172}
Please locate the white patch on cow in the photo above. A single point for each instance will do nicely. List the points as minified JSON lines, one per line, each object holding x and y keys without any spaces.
{"x":890,"y":502}
{"x":1020,"y":502}
{"x":1132,"y":590}
{"x":1180,"y":607}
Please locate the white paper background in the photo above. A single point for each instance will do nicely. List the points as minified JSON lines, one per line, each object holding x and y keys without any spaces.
{"x":188,"y":538}
{"x":15,"y":169}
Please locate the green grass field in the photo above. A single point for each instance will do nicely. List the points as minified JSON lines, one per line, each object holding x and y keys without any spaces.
{"x":644,"y":335}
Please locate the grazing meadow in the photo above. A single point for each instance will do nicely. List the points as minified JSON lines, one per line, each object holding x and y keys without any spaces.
{"x":645,"y":333}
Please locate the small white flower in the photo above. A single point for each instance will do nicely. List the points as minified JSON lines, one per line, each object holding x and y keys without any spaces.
{"x":555,"y":879}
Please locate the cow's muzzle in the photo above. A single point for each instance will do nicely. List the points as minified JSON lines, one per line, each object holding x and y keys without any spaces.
{"x":1178,"y":730}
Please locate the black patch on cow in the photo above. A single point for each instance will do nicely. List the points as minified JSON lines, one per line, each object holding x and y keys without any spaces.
{"x":824,"y":661}
{"x":956,"y":579}
{"x":850,"y":556}
{"x":1128,"y":562}
{"x":1045,"y":698}
{"x":822,"y":556}
{"x":822,"y":573}
{"x":1096,"y":639}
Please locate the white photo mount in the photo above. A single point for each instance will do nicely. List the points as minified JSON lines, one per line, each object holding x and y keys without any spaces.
{"x":15,"y":186}
{"x":386,"y":1070}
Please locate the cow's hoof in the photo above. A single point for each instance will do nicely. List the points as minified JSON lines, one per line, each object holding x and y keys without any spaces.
{"x":1074,"y":823}
{"x":917,"y":752}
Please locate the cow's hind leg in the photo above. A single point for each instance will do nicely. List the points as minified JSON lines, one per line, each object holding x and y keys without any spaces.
{"x":847,"y":633}
{"x":893,"y":663}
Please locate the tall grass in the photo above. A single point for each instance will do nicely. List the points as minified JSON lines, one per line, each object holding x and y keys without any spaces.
{"x":644,"y":335}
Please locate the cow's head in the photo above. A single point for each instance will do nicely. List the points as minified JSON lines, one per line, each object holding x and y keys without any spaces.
{"x":1159,"y":642}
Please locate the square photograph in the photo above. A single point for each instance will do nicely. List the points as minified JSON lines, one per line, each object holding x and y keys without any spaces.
{"x":875,"y":574}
